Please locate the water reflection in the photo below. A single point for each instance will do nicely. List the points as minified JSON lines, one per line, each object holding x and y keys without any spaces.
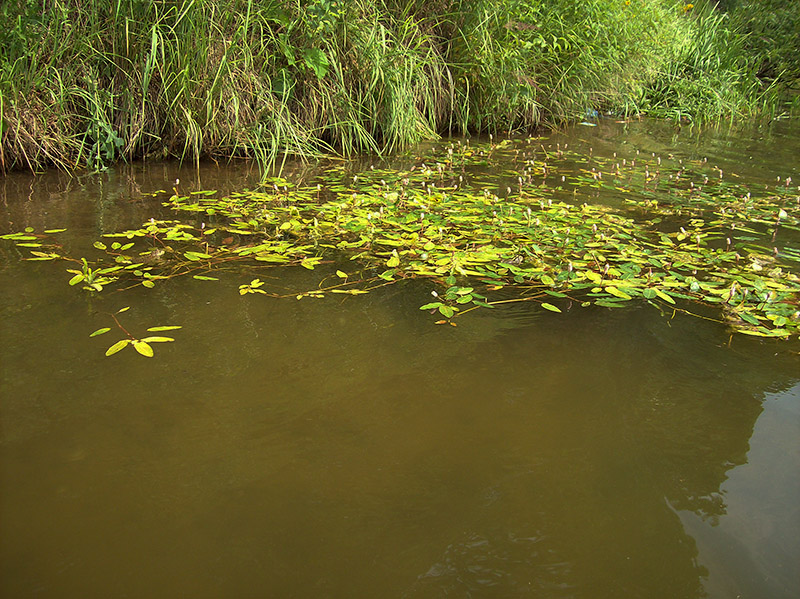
{"x":751,"y":548}
{"x":347,"y":447}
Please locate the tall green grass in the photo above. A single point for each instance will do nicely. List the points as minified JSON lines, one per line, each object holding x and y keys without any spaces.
{"x":84,"y":83}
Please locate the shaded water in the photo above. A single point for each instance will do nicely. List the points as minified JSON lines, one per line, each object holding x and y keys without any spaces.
{"x":349,"y":448}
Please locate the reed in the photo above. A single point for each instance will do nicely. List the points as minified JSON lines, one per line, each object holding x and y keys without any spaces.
{"x":84,"y":84}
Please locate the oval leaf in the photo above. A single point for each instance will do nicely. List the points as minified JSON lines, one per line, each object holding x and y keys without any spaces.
{"x":143,"y":348}
{"x":118,"y":346}
{"x":550,"y":307}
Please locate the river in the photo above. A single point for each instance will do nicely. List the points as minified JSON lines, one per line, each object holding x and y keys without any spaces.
{"x":348,"y":447}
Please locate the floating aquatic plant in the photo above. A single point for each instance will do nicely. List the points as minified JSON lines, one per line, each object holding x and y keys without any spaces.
{"x":682,"y":234}
{"x":141,"y":344}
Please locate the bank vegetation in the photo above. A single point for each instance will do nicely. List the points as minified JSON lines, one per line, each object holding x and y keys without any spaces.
{"x":85,"y":83}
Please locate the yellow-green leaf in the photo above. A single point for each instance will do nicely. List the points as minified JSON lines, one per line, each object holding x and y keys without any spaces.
{"x":118,"y":346}
{"x":143,"y":348}
{"x":550,"y":307}
{"x":617,"y":292}
{"x":664,"y":296}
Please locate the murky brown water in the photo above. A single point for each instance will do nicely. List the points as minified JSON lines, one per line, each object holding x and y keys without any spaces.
{"x":349,"y":448}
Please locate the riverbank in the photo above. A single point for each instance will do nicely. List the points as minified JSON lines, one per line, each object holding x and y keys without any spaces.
{"x":124,"y":80}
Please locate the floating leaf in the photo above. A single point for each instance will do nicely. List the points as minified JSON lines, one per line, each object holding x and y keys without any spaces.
{"x":341,"y":275}
{"x":100,"y":332}
{"x":550,"y":307}
{"x":118,"y":346}
{"x":431,"y":306}
{"x":164,"y":328}
{"x":664,"y":296}
{"x":617,"y":292}
{"x":204,"y":278}
{"x":447,"y":311}
{"x":143,"y":348}
{"x":157,"y":339}
{"x":195,"y":256}
{"x":548,"y":280}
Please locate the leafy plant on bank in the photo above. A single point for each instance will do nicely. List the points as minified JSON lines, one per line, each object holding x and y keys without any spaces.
{"x":86,"y":84}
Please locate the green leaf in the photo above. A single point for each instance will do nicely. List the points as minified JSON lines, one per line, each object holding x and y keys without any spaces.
{"x":317,"y":60}
{"x":195,"y":256}
{"x":100,"y":245}
{"x":143,"y":348}
{"x":610,"y":303}
{"x":617,"y":292}
{"x":55,"y":230}
{"x":204,"y":278}
{"x":100,"y":332}
{"x":749,"y":318}
{"x":447,"y":311}
{"x":394,"y":260}
{"x":118,"y":346}
{"x":76,"y":279}
{"x":125,"y":309}
{"x":310,"y":263}
{"x":148,"y":283}
{"x":341,"y":275}
{"x":157,"y":339}
{"x":164,"y":328}
{"x":664,"y":296}
{"x":431,"y":306}
{"x":550,"y":307}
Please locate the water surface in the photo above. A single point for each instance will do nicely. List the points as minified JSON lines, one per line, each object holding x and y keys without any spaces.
{"x":347,"y":447}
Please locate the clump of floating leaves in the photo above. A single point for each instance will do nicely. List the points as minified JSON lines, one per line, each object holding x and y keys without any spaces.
{"x":143,"y":345}
{"x":513,"y":216}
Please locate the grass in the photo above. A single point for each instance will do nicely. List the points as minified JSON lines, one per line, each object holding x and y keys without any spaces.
{"x":86,"y":84}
